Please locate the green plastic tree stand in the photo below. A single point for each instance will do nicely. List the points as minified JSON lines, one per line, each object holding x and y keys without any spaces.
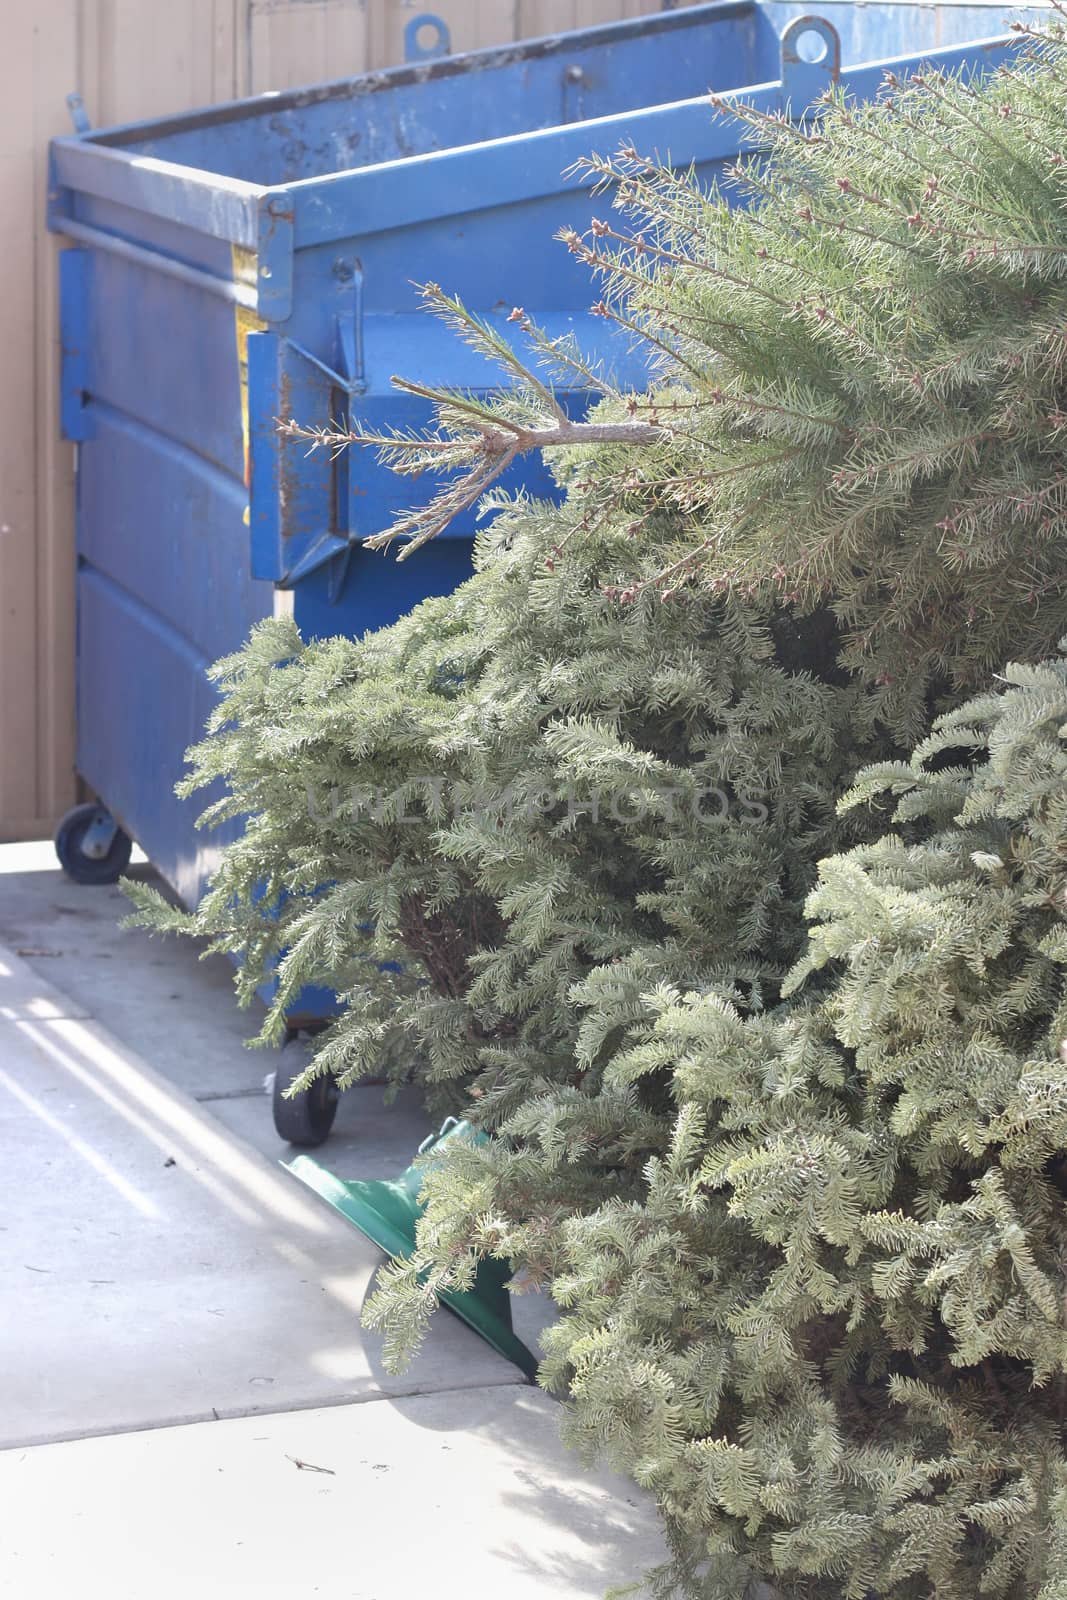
{"x":386,"y":1211}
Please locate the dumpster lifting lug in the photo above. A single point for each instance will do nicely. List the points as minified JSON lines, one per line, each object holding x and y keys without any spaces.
{"x":440,"y":45}
{"x":811,"y":62}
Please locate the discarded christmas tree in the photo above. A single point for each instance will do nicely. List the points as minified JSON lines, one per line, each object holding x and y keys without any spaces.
{"x":805,"y":1232}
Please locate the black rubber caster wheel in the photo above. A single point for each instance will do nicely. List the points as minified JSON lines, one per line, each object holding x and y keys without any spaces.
{"x":91,"y":847}
{"x":306,"y":1118}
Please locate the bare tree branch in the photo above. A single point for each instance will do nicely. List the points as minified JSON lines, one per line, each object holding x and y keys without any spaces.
{"x":482,"y":456}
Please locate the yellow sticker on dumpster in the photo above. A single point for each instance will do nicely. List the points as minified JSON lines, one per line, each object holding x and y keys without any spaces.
{"x":246,"y":274}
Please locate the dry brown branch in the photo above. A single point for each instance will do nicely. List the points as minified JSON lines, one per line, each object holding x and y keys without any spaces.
{"x":483,"y":456}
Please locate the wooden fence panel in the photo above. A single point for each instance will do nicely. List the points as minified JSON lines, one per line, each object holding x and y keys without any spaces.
{"x":295,"y":42}
{"x":147,"y":59}
{"x":20,"y":729}
{"x":53,"y":73}
{"x":552,"y":16}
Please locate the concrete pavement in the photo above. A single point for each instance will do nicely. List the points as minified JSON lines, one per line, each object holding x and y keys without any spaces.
{"x":392,"y":1501}
{"x":159,"y":1271}
{"x":158,"y":1268}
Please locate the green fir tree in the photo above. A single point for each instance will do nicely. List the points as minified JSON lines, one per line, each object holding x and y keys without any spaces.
{"x":797,"y":1196}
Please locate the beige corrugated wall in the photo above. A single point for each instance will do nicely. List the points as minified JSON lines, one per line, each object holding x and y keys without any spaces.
{"x":131,"y":59}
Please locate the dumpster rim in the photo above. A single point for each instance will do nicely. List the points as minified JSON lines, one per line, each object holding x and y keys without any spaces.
{"x":272,"y":101}
{"x":116,"y":175}
{"x":715,"y":138}
{"x":415,"y":186}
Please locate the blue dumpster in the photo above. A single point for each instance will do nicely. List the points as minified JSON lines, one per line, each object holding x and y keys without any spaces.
{"x":256,"y":261}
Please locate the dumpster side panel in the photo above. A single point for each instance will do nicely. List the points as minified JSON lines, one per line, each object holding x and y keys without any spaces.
{"x":165,"y":354}
{"x":143,"y":700}
{"x":169,"y":529}
{"x":163,"y":582}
